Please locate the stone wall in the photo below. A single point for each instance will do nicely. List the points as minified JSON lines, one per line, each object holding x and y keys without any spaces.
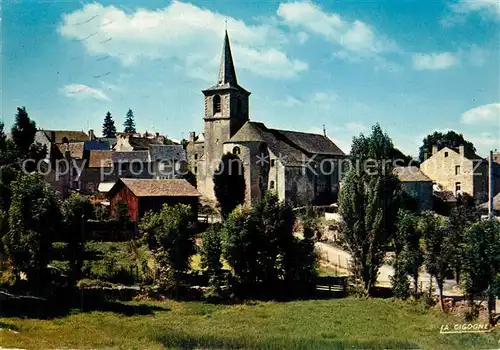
{"x":441,"y":168}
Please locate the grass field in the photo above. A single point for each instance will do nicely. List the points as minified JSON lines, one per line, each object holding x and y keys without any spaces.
{"x":316,"y":324}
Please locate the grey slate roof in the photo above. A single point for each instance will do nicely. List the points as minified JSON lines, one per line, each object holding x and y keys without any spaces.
{"x":127,"y":157}
{"x":167,"y":152}
{"x":227,"y":73}
{"x":290,"y":146}
{"x":496,"y":203}
{"x":142,"y":143}
{"x":312,"y":143}
{"x":411,"y":174}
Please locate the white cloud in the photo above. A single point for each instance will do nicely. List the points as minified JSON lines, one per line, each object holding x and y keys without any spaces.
{"x":355,"y":40}
{"x":435,"y":61}
{"x":302,"y":37}
{"x":318,"y":99}
{"x":459,"y":10}
{"x":486,"y":114}
{"x":181,"y":32}
{"x":83,"y":92}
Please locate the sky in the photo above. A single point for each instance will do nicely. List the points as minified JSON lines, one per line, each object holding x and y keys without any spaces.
{"x":412,"y":66}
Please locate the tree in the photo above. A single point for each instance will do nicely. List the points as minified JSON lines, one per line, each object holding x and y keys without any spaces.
{"x":34,"y":218}
{"x":462,"y":216}
{"x":266,"y":258}
{"x":211,"y":253}
{"x":450,"y":139}
{"x":3,"y":138}
{"x":229,"y":183}
{"x":369,"y":202}
{"x":170,"y":234}
{"x":438,"y":248}
{"x":108,"y":127}
{"x":76,"y":210}
{"x":23,"y":131}
{"x":408,"y":254}
{"x":129,"y":124}
{"x":481,"y":261}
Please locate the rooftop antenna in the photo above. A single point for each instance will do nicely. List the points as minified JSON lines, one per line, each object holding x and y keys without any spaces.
{"x":324,"y":130}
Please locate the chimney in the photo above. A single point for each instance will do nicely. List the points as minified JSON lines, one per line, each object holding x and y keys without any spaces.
{"x":434,"y":149}
{"x":91,"y":135}
{"x":192,"y":135}
{"x":157,"y":135}
{"x":461,"y":150}
{"x":53,"y":136}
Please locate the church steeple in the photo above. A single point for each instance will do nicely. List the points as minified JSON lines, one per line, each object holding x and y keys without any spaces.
{"x":227,"y":73}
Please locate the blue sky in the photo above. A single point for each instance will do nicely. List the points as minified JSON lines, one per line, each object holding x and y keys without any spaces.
{"x":413,"y":66}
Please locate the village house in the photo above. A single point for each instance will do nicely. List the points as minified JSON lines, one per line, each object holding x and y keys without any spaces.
{"x":127,"y":142}
{"x":106,"y":166}
{"x":458,"y":171}
{"x":417,"y":185}
{"x":286,"y":162}
{"x":143,"y":195}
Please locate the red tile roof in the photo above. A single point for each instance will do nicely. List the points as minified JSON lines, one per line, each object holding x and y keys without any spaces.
{"x":160,"y":188}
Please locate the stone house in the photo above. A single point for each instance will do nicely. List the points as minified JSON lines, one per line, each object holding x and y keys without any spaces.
{"x":457,"y":171}
{"x":286,"y":162}
{"x":167,"y":161}
{"x":142,"y":195}
{"x":416,"y":184}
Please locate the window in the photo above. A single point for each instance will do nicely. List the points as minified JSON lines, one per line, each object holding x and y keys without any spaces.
{"x":195,"y":157}
{"x":196,"y":170}
{"x":458,"y":187}
{"x":273,"y":163}
{"x":236,"y":150}
{"x":457,"y":169}
{"x":271,"y":185}
{"x":217,"y":104}
{"x":123,"y":166}
{"x":446,"y":154}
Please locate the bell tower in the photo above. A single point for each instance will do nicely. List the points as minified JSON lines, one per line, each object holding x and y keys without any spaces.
{"x":226,"y":110}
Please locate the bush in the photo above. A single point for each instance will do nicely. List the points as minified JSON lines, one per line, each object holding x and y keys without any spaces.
{"x":170,"y":236}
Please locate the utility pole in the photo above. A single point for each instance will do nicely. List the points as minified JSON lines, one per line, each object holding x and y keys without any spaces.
{"x":490,"y":186}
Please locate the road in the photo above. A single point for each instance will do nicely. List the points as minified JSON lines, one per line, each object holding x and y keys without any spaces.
{"x":341,"y":258}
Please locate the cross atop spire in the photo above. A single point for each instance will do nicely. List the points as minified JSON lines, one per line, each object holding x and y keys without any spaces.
{"x":227,"y":73}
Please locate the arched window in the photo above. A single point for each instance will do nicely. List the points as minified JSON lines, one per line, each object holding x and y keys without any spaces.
{"x":271,"y":185}
{"x":217,"y":104}
{"x":236,"y":150}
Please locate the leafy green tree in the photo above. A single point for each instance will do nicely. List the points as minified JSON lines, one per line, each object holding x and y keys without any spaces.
{"x":438,"y":247}
{"x":170,"y":234}
{"x":481,"y":261}
{"x":8,"y":173}
{"x":229,"y":183}
{"x":258,"y":243}
{"x":462,"y":216}
{"x":23,"y":131}
{"x":3,"y":138}
{"x":211,"y":253}
{"x":408,"y":254}
{"x":34,"y":218}
{"x":369,"y":202}
{"x":450,"y":139}
{"x":76,"y":210}
{"x":108,"y":127}
{"x":129,"y":123}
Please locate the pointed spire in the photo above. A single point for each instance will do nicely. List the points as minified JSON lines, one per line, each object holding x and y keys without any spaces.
{"x":227,"y":73}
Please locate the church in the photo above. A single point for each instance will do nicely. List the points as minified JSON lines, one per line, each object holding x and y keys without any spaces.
{"x":301,"y":168}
